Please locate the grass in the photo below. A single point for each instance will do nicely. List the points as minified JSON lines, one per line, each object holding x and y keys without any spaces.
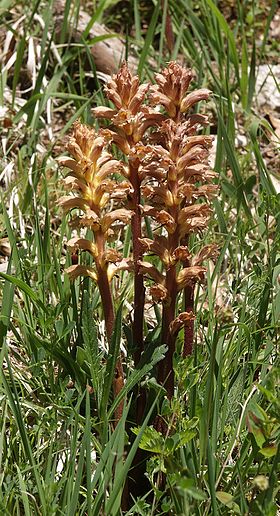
{"x":59,"y":451}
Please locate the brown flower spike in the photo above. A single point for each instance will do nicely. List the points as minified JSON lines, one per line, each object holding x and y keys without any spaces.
{"x":177,"y":176}
{"x":165,"y":178}
{"x":91,"y":176}
{"x":130,"y":120}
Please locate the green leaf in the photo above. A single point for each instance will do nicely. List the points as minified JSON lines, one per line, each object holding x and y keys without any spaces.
{"x":269,"y":451}
{"x":118,"y":486}
{"x":151,"y":440}
{"x":227,"y":500}
{"x":140,"y":372}
{"x":81,"y":355}
{"x":225,"y":27}
{"x":6,"y":310}
{"x":93,"y":355}
{"x":16,"y":409}
{"x":18,"y":64}
{"x":187,"y":485}
{"x":148,"y":39}
{"x":25,"y":288}
{"x":234,"y":165}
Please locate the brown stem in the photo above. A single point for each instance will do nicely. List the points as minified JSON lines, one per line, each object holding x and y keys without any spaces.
{"x":165,"y":372}
{"x":104,"y":287}
{"x":189,"y":307}
{"x":139,"y":290}
{"x":189,"y":325}
{"x":109,"y":317}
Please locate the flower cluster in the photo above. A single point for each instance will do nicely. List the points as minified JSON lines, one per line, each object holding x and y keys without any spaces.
{"x":165,"y":177}
{"x":178,"y":185}
{"x":91,"y":175}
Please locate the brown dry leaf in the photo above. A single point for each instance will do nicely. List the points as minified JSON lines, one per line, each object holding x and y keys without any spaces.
{"x":274,"y":30}
{"x":275,"y":122}
{"x":5,"y":248}
{"x":180,"y":321}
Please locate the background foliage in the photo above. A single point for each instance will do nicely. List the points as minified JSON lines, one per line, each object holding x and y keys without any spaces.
{"x":57,"y":456}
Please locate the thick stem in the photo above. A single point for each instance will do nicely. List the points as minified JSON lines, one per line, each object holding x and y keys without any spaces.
{"x":139,"y":290}
{"x":189,"y":307}
{"x":189,"y":325}
{"x":109,"y":317}
{"x":165,"y":372}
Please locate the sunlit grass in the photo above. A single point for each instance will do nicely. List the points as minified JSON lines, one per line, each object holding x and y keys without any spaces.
{"x":57,"y":455}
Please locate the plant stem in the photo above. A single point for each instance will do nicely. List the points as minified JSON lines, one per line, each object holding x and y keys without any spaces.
{"x":109,"y":317}
{"x":189,"y":307}
{"x":189,"y":325}
{"x":139,"y":290}
{"x":165,"y":372}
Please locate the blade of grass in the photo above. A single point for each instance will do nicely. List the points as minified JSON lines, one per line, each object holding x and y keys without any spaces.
{"x":14,"y":403}
{"x":18,"y":65}
{"x":24,"y":491}
{"x":137,"y":21}
{"x":233,"y":163}
{"x":224,"y":26}
{"x":111,"y":363}
{"x":119,"y":482}
{"x":148,"y":39}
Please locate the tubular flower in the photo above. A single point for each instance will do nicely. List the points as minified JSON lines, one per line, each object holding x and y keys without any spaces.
{"x":130,"y":119}
{"x":165,"y":176}
{"x":90,"y":176}
{"x":176,"y":179}
{"x":171,"y":87}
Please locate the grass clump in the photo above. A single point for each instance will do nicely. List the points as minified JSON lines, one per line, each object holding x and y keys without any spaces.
{"x":103,"y":410}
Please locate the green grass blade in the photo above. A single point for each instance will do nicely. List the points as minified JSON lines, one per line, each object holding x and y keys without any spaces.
{"x":224,"y":26}
{"x":111,"y":362}
{"x":148,"y":39}
{"x":25,"y":288}
{"x":234,"y":165}
{"x":24,"y":492}
{"x":18,"y":65}
{"x":119,"y":483}
{"x":15,"y":405}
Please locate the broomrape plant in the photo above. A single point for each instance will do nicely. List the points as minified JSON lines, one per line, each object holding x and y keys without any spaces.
{"x":163,"y":179}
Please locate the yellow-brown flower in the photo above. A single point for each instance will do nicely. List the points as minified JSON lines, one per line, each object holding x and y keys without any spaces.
{"x":92,"y":169}
{"x":131,"y":117}
{"x":171,"y":87}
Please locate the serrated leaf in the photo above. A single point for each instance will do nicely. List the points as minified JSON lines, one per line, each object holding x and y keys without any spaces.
{"x":89,"y":327}
{"x":151,"y":441}
{"x":93,"y":355}
{"x":140,"y":372}
{"x":111,"y":362}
